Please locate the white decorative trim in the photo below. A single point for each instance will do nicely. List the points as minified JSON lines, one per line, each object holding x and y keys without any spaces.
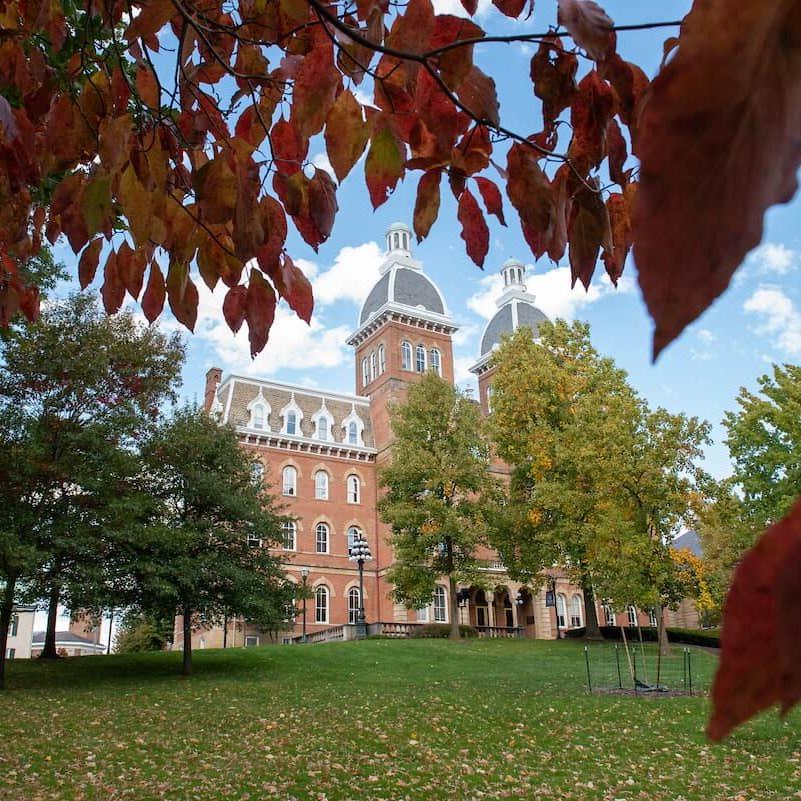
{"x":323,"y":413}
{"x":292,"y":406}
{"x":353,"y":417}
{"x":261,"y":401}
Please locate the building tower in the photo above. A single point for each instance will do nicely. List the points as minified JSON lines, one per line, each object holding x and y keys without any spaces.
{"x":515,"y":308}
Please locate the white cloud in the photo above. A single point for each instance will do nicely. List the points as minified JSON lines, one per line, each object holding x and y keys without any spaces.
{"x":461,"y":371}
{"x":780,"y":318}
{"x":352,"y":275}
{"x":322,"y":162}
{"x":706,"y":336}
{"x":551,"y":290}
{"x":773,"y":258}
{"x":456,"y":8}
{"x":700,"y":355}
{"x":465,"y":334}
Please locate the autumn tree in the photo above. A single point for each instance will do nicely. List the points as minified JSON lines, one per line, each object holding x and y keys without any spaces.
{"x":76,"y":389}
{"x":205,"y":552}
{"x":436,"y":490}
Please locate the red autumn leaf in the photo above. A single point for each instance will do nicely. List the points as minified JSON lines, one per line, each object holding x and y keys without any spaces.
{"x":289,"y":148}
{"x":553,"y":73}
{"x":322,"y":203}
{"x":182,"y":295}
{"x":234,"y":306}
{"x":590,"y":111}
{"x":384,"y":165}
{"x":631,"y":86}
{"x":588,"y":231}
{"x":454,"y":64}
{"x":87,"y":264}
{"x":131,"y":266}
{"x":470,"y":6}
{"x":259,"y":311}
{"x":616,"y":147}
{"x":474,"y":227}
{"x":216,"y":190}
{"x":491,"y":196}
{"x":531,"y":194}
{"x":250,"y":126}
{"x":112,"y":291}
{"x":294,"y":287}
{"x":412,"y":30}
{"x":316,"y":84}
{"x":472,"y":154}
{"x":275,"y":230}
{"x":155,"y":293}
{"x":703,"y":196}
{"x":760,"y":661}
{"x":346,"y":134}
{"x":147,"y":86}
{"x":512,"y":8}
{"x":426,"y":205}
{"x":619,"y":207}
{"x":589,"y":26}
{"x":479,"y":95}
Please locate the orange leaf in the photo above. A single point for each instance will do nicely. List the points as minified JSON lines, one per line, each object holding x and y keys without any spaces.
{"x":259,"y":311}
{"x":491,"y":196}
{"x":155,"y":293}
{"x":294,"y":287}
{"x":531,"y":194}
{"x":589,"y":26}
{"x":619,"y":207}
{"x":426,"y":205}
{"x":216,"y":190}
{"x":322,"y":204}
{"x":147,"y":86}
{"x":718,"y":145}
{"x":346,"y":134}
{"x":182,"y":295}
{"x":512,"y":8}
{"x":590,"y":112}
{"x":760,"y":662}
{"x":478,"y":94}
{"x":112,"y":291}
{"x":87,"y":264}
{"x":289,"y":148}
{"x":553,"y":73}
{"x":384,"y":164}
{"x":316,"y":84}
{"x":233,"y":307}
{"x":588,"y":231}
{"x":474,"y":227}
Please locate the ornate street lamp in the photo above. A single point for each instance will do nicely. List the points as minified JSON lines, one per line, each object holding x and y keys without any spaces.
{"x":304,"y":575}
{"x":360,"y":553}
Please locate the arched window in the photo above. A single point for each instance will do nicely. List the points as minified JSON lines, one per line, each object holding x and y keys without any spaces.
{"x":354,"y":489}
{"x":420,"y":359}
{"x":631,"y":611}
{"x":257,"y":416}
{"x":406,"y":356}
{"x":440,"y":605}
{"x":353,"y":434}
{"x":396,"y":240}
{"x":291,"y":422}
{"x":561,"y":610}
{"x":353,"y":534}
{"x":489,"y":398}
{"x":652,"y":621}
{"x":321,"y":538}
{"x":575,"y":612}
{"x":257,"y":473}
{"x":321,"y":485}
{"x":609,"y":615}
{"x":365,"y":372}
{"x":321,"y":604}
{"x":382,"y":360}
{"x":289,"y":480}
{"x":373,"y":366}
{"x":422,"y":615}
{"x":290,"y":532}
{"x":354,"y":604}
{"x":436,"y":361}
{"x":322,"y":428}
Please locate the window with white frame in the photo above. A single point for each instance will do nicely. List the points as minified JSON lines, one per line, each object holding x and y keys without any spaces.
{"x":321,"y":604}
{"x":652,"y":621}
{"x":420,"y":359}
{"x":14,"y":627}
{"x":257,"y":473}
{"x":354,"y":489}
{"x":436,"y":361}
{"x":289,"y":480}
{"x":440,"y":605}
{"x":251,"y":641}
{"x":489,"y":398}
{"x":382,"y":360}
{"x":321,"y":538}
{"x":323,"y":428}
{"x":354,"y":604}
{"x":291,"y":422}
{"x":321,"y":485}
{"x":561,"y":610}
{"x":365,"y":372}
{"x":257,"y":416}
{"x":354,"y":533}
{"x":422,"y":615}
{"x":353,"y":433}
{"x":373,"y":366}
{"x":290,"y":532}
{"x":254,"y":541}
{"x":631,"y":612}
{"x":609,"y":615}
{"x":11,"y":653}
{"x":406,"y":356}
{"x":575,"y":612}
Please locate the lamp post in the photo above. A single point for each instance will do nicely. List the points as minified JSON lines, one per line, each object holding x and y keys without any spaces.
{"x":304,"y":575}
{"x":520,"y":601}
{"x":555,"y":605}
{"x":360,"y":553}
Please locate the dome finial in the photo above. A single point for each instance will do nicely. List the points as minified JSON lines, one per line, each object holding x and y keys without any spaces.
{"x":399,"y":238}
{"x":513,"y":272}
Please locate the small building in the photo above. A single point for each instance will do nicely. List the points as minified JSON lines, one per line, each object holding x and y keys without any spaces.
{"x":20,"y":633}
{"x":68,"y":644}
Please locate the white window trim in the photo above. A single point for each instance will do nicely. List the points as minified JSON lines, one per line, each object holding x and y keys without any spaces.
{"x":357,"y":533}
{"x":353,"y":417}
{"x":285,"y":529}
{"x":410,"y":365}
{"x":365,"y":372}
{"x":293,"y":490}
{"x":259,"y":402}
{"x":352,"y":591}
{"x":631,"y":615}
{"x":561,"y":614}
{"x":250,"y":644}
{"x":420,"y":349}
{"x":382,"y":360}
{"x":317,"y":495}
{"x":444,"y":593}
{"x":436,"y":364}
{"x":323,"y":414}
{"x":358,"y":492}
{"x":292,"y":406}
{"x":327,"y":537}
{"x":327,"y":609}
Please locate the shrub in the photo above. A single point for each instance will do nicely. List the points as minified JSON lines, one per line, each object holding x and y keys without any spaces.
{"x":440,"y":630}
{"x":709,"y":638}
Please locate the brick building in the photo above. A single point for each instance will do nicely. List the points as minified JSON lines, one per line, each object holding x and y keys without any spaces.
{"x":321,"y":452}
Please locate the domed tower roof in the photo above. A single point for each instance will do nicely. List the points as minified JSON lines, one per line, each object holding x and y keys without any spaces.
{"x":515,"y":308}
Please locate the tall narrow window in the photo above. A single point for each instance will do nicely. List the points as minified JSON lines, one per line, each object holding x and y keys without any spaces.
{"x":322,"y":428}
{"x":257,"y":473}
{"x":321,"y":485}
{"x":406,"y":356}
{"x":420,"y":359}
{"x":291,"y":423}
{"x":354,"y":603}
{"x":254,"y":541}
{"x":561,"y":610}
{"x":575,"y":612}
{"x":422,"y":615}
{"x":373,"y":366}
{"x":382,"y":360}
{"x":321,"y":604}
{"x":354,"y":489}
{"x":440,"y":605}
{"x":631,"y":611}
{"x":321,"y":538}
{"x":652,"y":621}
{"x":14,"y":628}
{"x":289,"y":480}
{"x":436,"y":361}
{"x":365,"y":372}
{"x":609,"y":615}
{"x":353,"y":434}
{"x":396,"y":241}
{"x":290,"y":532}
{"x":257,"y":416}
{"x":353,"y":534}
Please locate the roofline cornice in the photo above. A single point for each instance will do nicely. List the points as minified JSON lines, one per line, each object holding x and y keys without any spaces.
{"x":359,"y":400}
{"x":398,"y":312}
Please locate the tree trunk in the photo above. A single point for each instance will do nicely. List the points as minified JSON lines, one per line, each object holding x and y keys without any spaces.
{"x":5,"y":623}
{"x":454,"y":605}
{"x":664,"y":642}
{"x":592,"y":629}
{"x":187,"y":624}
{"x":49,"y":647}
{"x":225,"y":631}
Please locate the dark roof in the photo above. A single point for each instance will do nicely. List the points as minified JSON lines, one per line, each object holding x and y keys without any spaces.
{"x":688,"y":541}
{"x":502,"y":323}
{"x":410,"y":287}
{"x":62,"y":637}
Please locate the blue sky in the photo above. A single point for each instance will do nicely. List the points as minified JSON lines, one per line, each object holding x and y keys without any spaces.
{"x":756,"y":322}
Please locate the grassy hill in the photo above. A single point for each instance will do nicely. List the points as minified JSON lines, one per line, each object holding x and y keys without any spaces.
{"x":421,"y":719}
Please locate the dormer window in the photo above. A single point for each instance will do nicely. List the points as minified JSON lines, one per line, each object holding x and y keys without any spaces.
{"x":259,"y":412}
{"x":353,"y":426}
{"x":291,"y":423}
{"x":353,"y":434}
{"x":292,"y":416}
{"x":323,"y":423}
{"x":322,"y":428}
{"x":257,"y":416}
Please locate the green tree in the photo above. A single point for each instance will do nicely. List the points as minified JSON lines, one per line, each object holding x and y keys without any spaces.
{"x":77,"y":389}
{"x":139,"y":632}
{"x":205,"y":553}
{"x":437,"y":487}
{"x":764,"y":440}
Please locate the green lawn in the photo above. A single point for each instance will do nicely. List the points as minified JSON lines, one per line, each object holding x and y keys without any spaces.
{"x":427,"y":720}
